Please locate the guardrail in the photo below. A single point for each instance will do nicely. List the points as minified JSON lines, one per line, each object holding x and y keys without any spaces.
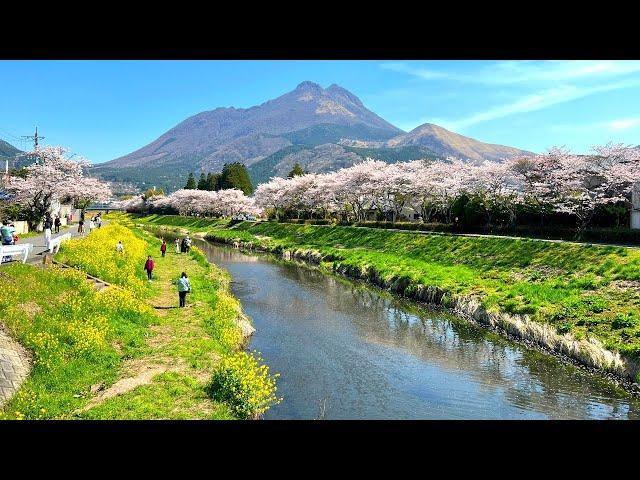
{"x":11,"y":250}
{"x":54,"y":243}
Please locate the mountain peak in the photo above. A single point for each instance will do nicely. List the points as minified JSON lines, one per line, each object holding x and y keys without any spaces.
{"x":446,"y":143}
{"x":335,"y":89}
{"x":307,"y":85}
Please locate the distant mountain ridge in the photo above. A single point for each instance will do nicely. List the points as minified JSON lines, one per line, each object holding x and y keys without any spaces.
{"x":7,"y":150}
{"x":323,"y":124}
{"x":442,"y":142}
{"x":328,"y":157}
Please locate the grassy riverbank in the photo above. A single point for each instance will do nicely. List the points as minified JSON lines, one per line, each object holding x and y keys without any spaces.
{"x":585,"y":293}
{"x":110,"y":354}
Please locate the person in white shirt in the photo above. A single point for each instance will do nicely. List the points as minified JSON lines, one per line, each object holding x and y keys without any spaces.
{"x":120,"y":247}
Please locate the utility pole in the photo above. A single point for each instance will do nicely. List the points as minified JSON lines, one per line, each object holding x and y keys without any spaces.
{"x":35,"y":139}
{"x":635,"y":206}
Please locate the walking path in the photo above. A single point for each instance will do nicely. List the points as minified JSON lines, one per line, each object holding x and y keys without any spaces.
{"x":14,"y":366}
{"x":39,"y":245}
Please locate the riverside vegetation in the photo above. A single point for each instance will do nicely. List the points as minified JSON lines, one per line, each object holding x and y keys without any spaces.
{"x":109,"y":354}
{"x":584,"y":293}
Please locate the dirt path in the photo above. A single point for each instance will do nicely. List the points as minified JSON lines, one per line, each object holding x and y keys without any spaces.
{"x":174,"y":343}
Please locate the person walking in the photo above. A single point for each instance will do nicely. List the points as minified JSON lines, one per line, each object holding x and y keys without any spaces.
{"x":187,"y":244}
{"x":56,"y":223}
{"x":149,"y":266}
{"x":120,"y":247}
{"x":81,"y":226}
{"x":91,"y":225}
{"x":7,"y":235}
{"x":184,"y":287}
{"x":163,"y":247}
{"x":177,"y":245}
{"x":48,"y":225}
{"x":12,"y":229}
{"x":99,"y":220}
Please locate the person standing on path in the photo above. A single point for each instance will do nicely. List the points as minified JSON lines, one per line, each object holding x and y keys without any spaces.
{"x":187,"y":244}
{"x":184,"y":287}
{"x":57,"y":223}
{"x":5,"y":232}
{"x":149,"y":266}
{"x":81,"y":226}
{"x":91,"y":225}
{"x":163,"y":247}
{"x":177,"y":245}
{"x":48,"y":225}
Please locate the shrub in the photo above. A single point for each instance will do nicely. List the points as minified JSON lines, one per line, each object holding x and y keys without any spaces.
{"x":199,"y":256}
{"x":564,"y":328}
{"x":244,"y":384}
{"x":623,"y":320}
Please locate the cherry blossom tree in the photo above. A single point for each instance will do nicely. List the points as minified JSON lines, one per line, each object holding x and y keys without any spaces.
{"x":273,"y":194}
{"x":498,"y":187}
{"x":54,"y":177}
{"x":134,"y":204}
{"x":561,"y":181}
{"x":224,"y":203}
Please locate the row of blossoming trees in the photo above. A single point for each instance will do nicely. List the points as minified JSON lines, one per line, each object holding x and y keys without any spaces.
{"x":221,"y":203}
{"x":554,"y":182}
{"x":53,"y":178}
{"x":557,"y":181}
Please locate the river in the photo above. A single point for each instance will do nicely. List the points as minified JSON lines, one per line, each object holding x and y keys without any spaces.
{"x":348,"y":351}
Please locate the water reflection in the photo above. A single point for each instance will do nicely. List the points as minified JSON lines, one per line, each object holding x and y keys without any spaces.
{"x":373,"y":356}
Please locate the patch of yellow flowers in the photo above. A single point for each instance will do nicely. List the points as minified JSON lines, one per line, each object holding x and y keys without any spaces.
{"x":30,"y":411}
{"x":96,"y":254}
{"x":226,"y":310}
{"x":69,"y":320}
{"x":244,"y":383}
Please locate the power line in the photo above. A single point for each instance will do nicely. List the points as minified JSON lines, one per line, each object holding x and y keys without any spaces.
{"x":9,"y":134}
{"x":35,"y":139}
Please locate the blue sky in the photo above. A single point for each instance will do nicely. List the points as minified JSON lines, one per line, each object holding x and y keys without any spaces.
{"x":104,"y":109}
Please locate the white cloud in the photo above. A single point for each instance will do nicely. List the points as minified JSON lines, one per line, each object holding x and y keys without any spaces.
{"x":536,"y":101}
{"x":522,"y":72}
{"x":623,"y":123}
{"x":523,"y":86}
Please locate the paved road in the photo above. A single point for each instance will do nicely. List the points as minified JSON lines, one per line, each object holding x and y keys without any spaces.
{"x":14,"y":366}
{"x":39,"y":246}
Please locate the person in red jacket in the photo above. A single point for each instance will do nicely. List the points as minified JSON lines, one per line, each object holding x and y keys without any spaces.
{"x":163,"y":247}
{"x":149,"y":266}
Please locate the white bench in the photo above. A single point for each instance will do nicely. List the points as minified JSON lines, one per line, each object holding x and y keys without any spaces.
{"x":54,"y":244}
{"x":11,"y":250}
